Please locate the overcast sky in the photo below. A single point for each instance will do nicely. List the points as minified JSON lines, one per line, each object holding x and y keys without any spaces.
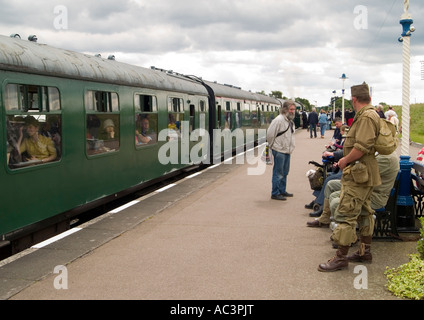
{"x":298,"y":47}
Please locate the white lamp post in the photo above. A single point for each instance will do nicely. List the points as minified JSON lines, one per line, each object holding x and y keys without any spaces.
{"x":334,"y":105}
{"x":343,"y":77}
{"x":406,"y":22}
{"x":405,"y":202}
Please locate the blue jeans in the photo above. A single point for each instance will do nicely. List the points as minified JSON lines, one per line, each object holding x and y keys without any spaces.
{"x":279,"y":173}
{"x":322,"y":127}
{"x":313,"y":128}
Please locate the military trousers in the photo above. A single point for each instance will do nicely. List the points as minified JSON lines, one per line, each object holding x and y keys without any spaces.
{"x":354,"y":208}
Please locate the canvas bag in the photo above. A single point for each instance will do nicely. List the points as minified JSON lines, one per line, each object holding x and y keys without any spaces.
{"x":387,"y":141}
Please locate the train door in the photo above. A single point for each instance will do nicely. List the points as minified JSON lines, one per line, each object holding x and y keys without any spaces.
{"x":175,"y":117}
{"x":238,"y":116}
{"x":198,"y":128}
{"x":218,"y":115}
{"x":192,"y":120}
{"x":228,"y":124}
{"x":246,"y":115}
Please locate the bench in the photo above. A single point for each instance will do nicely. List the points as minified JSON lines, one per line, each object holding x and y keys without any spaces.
{"x":417,"y":190}
{"x":386,"y":219}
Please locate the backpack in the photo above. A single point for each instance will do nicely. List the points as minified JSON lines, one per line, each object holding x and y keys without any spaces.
{"x":387,"y":141}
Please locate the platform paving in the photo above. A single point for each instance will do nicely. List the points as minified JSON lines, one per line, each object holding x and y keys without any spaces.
{"x":215,"y":236}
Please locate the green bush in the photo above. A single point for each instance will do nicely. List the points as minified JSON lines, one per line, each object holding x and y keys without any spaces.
{"x":407,"y":281}
{"x":420,"y":245}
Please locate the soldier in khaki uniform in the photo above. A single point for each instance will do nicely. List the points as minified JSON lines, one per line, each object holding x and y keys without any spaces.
{"x":360,"y":176}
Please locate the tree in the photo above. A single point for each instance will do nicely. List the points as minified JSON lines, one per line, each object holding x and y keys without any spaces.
{"x":305,"y":103}
{"x":277,"y":94}
{"x":348,"y":103}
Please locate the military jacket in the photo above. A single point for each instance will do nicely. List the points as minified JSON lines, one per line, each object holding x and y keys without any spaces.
{"x":362,"y":136}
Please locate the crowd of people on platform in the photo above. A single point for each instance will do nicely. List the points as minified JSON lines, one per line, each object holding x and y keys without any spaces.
{"x":361,"y":181}
{"x":323,"y":120}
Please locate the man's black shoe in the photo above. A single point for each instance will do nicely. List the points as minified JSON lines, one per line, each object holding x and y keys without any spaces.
{"x":317,"y":213}
{"x":286,"y":194}
{"x":279,"y":197}
{"x":310,"y":205}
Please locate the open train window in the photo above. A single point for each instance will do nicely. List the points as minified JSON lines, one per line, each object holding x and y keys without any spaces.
{"x":145,"y":103}
{"x":175,"y":117}
{"x":146,"y":119}
{"x":101,"y":101}
{"x":31,"y":98}
{"x":33,"y":124}
{"x":102,"y":121}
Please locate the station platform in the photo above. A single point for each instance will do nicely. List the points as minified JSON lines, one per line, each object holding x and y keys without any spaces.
{"x":216,"y":235}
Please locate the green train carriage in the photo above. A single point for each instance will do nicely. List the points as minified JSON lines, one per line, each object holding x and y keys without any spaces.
{"x":92,"y":112}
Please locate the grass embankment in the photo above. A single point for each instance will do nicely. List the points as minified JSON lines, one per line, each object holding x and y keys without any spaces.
{"x":416,"y":113}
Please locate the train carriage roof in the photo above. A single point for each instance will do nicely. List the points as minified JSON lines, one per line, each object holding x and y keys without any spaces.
{"x":223,"y":90}
{"x":30,"y":57}
{"x":35,"y":58}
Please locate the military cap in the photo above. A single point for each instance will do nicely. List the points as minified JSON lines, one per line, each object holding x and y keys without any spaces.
{"x":360,"y":90}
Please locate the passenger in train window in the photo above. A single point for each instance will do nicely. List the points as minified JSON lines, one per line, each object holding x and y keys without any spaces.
{"x":36,"y":146}
{"x":110,"y":136}
{"x":52,"y":130}
{"x":93,"y":125}
{"x":173,"y":128}
{"x":108,"y":130}
{"x":145,"y":134}
{"x":13,"y":125}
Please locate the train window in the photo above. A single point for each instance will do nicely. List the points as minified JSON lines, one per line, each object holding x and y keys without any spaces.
{"x":101,"y":101}
{"x":102,"y":121}
{"x":11,"y":97}
{"x":53,"y":98}
{"x":145,"y":103}
{"x":146,"y":123}
{"x":31,"y":98}
{"x":175,"y":105}
{"x":33,"y":132}
{"x":227,"y":105}
{"x":175,"y":118}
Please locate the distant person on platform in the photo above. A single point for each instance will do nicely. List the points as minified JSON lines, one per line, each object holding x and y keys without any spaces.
{"x":313,"y":122}
{"x":280,"y":137}
{"x":380,"y":110}
{"x":322,"y":120}
{"x":338,"y":114}
{"x":349,"y":116}
{"x":390,"y":112}
{"x":304,"y":120}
